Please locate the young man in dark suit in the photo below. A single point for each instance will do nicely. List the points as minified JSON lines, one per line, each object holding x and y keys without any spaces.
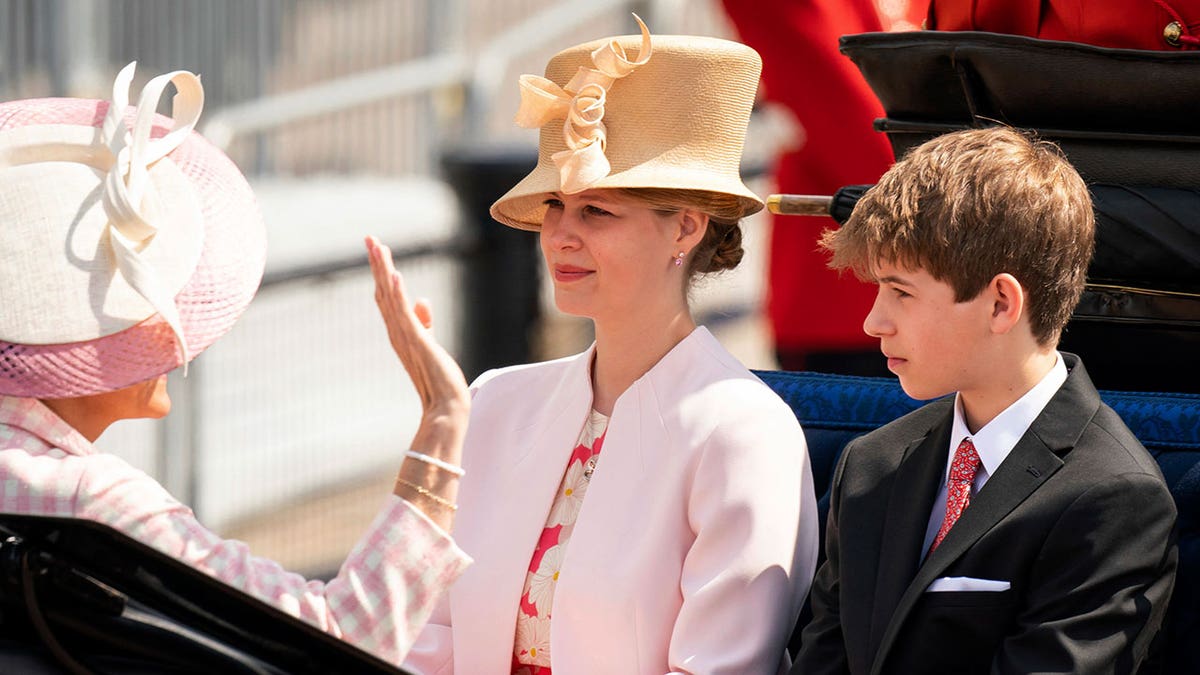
{"x":1018,"y":526}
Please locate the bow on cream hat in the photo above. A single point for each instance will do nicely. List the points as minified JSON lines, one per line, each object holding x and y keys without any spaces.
{"x":668,"y":111}
{"x":128,"y":243}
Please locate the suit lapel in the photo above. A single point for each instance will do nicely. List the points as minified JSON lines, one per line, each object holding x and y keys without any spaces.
{"x":1026,"y":468}
{"x":1029,"y":465}
{"x":913,"y":490}
{"x":1034,"y":459}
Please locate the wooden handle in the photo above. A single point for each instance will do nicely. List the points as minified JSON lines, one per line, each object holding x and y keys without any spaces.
{"x":799,"y":205}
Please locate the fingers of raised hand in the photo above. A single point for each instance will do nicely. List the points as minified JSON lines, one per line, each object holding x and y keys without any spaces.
{"x":380,"y":258}
{"x":433,"y":372}
{"x":390,"y":294}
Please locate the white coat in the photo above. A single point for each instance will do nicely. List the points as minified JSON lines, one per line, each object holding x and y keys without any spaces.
{"x":696,"y":542}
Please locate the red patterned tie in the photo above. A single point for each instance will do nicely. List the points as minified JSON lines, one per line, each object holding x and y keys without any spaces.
{"x":958,"y":491}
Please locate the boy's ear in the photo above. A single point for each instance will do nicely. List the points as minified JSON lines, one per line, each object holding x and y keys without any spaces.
{"x":1008,"y":302}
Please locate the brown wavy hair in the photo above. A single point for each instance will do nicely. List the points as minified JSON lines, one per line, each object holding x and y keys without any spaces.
{"x":969,"y":205}
{"x":721,"y":248}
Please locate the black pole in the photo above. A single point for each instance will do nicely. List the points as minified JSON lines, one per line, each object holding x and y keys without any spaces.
{"x":501,"y":281}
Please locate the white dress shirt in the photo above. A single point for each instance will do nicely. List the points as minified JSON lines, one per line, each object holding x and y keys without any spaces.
{"x":995,"y":440}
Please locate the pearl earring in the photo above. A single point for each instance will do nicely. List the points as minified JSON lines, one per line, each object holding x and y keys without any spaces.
{"x":679,"y":259}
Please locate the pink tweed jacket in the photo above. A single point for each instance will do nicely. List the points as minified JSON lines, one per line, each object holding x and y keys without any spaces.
{"x":379,"y":600}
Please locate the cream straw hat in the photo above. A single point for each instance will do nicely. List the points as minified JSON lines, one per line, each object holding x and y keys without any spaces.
{"x":637,"y":112}
{"x":128,"y":243}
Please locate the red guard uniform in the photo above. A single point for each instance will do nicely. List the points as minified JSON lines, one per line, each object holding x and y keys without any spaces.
{"x":812,"y":309}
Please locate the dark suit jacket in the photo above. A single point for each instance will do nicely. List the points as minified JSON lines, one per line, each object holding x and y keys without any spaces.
{"x":1077,"y":519}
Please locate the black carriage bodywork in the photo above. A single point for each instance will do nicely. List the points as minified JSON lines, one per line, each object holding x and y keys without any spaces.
{"x":1129,"y":120}
{"x":80,"y":597}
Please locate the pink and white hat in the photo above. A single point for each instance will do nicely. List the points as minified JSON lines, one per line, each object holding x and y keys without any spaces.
{"x":128,"y":243}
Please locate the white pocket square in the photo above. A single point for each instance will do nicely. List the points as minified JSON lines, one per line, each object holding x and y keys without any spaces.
{"x":967,"y":584}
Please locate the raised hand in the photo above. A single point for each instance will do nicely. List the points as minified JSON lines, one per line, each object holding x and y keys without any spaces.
{"x":437,"y":378}
{"x":439,"y":382}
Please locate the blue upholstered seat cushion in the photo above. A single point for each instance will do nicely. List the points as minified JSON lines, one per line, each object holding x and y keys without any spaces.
{"x":1164,"y":423}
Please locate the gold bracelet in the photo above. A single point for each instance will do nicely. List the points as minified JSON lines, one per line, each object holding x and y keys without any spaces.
{"x":425,"y":492}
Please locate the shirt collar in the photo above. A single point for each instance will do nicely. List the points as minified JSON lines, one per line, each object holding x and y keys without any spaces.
{"x":34,"y":417}
{"x":998,"y":437}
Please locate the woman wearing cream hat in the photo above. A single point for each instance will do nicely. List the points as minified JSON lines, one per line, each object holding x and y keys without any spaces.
{"x":646,"y":506}
{"x":128,"y":244}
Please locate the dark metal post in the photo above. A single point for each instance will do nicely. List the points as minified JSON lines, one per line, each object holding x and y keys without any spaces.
{"x":501,"y":280}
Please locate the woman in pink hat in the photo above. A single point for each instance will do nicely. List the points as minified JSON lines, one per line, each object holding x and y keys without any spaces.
{"x":645,"y":506}
{"x":128,"y":244}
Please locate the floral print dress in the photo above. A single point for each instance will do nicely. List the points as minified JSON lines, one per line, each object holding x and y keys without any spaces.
{"x":531,"y":648}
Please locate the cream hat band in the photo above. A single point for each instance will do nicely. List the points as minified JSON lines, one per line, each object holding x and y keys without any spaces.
{"x":130,"y":188}
{"x":580,"y":104}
